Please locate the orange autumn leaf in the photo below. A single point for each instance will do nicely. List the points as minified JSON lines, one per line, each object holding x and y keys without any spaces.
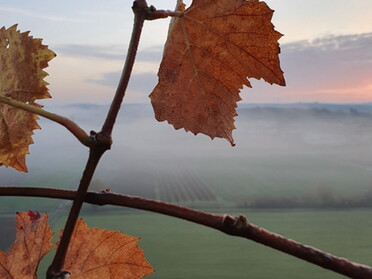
{"x":21,"y":78}
{"x":33,"y":242}
{"x":98,"y":253}
{"x":209,"y":54}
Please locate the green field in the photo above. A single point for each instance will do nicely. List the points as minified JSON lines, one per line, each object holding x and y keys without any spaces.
{"x":183,"y":250}
{"x":284,"y":158}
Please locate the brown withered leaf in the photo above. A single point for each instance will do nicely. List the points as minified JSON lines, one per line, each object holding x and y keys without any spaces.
{"x":209,"y":54}
{"x":97,"y":253}
{"x":22,"y":78}
{"x":33,"y":242}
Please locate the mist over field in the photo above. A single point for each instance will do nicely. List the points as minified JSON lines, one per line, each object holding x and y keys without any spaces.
{"x":297,"y":155}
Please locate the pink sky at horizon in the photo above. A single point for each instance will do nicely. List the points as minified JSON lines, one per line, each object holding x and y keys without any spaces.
{"x":325,"y":56}
{"x":332,"y":69}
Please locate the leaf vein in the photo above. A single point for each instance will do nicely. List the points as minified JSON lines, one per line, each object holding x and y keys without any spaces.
{"x":216,"y":33}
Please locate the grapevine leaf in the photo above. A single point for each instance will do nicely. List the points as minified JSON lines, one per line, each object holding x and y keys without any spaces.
{"x":33,"y":242}
{"x":98,"y":253}
{"x":209,"y":54}
{"x":21,"y":78}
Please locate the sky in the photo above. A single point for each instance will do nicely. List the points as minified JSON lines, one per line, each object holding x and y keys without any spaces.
{"x":326,"y":50}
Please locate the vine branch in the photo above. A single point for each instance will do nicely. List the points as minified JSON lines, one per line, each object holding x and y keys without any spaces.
{"x":140,"y":10}
{"x":55,"y":270}
{"x":102,"y":142}
{"x":70,"y":125}
{"x":236,"y":226}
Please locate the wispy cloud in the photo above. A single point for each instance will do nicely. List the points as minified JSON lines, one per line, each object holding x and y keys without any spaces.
{"x":336,"y":61}
{"x":329,"y":67}
{"x":348,"y":44}
{"x":44,"y":17}
{"x":144,"y":82}
{"x":113,"y":52}
{"x":97,"y":13}
{"x":332,"y":68}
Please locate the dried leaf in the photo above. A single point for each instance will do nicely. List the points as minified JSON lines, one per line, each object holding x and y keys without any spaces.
{"x":22,"y":78}
{"x":33,"y":242}
{"x":97,"y":253}
{"x":209,"y":54}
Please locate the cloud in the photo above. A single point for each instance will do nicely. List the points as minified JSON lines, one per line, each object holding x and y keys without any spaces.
{"x":144,"y":82}
{"x":333,"y":68}
{"x":328,"y":69}
{"x":330,"y":62}
{"x":112,"y":52}
{"x":44,"y":17}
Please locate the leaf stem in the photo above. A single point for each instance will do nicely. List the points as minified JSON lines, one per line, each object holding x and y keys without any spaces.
{"x":78,"y":132}
{"x":236,"y":226}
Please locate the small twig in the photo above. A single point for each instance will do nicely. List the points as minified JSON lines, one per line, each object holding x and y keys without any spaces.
{"x":157,"y":14}
{"x":237,"y":226}
{"x":78,"y":132}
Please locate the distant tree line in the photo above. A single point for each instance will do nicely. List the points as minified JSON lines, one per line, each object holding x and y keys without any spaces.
{"x":324,"y":199}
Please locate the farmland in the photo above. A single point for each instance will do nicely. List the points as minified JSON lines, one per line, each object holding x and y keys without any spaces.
{"x":180,"y":250}
{"x":184,"y":186}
